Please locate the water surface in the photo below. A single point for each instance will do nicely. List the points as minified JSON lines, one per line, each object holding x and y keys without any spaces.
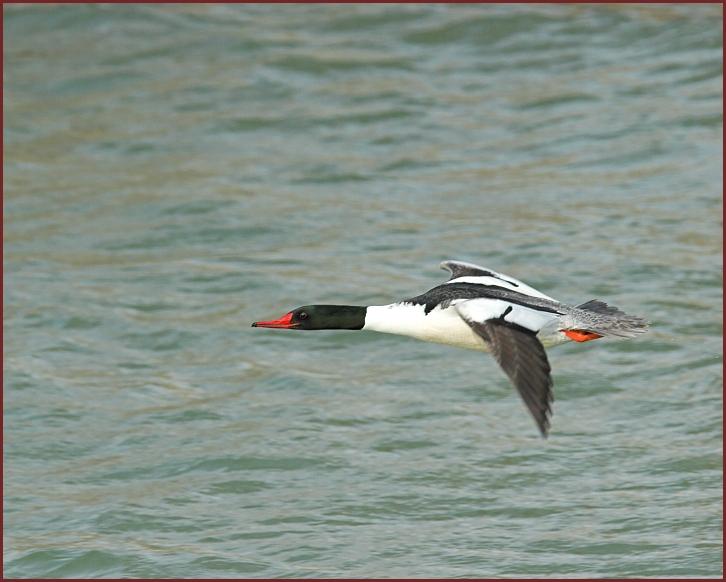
{"x":173,"y":173}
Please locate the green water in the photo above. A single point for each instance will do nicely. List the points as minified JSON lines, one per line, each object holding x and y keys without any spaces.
{"x":173,"y":173}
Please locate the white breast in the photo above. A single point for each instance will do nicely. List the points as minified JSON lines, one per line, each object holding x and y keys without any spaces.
{"x":443,"y":326}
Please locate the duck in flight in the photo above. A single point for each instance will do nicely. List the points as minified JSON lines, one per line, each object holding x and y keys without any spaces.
{"x":480,"y":309}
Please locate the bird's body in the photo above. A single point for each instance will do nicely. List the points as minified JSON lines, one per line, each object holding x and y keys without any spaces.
{"x":442,"y":325}
{"x":481,"y":309}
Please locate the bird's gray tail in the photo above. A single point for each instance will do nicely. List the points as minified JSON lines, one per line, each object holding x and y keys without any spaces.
{"x":598,"y":317}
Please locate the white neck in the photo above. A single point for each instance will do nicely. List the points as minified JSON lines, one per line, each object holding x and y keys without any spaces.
{"x":439,"y":325}
{"x":398,"y":318}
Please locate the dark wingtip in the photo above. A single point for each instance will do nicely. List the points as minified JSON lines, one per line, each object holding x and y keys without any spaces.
{"x":254,"y":324}
{"x":544,"y":428}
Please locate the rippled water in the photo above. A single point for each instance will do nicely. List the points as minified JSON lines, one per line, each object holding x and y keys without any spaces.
{"x":173,"y":173}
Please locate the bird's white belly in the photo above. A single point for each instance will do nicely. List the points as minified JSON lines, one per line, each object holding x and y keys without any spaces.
{"x":443,"y":326}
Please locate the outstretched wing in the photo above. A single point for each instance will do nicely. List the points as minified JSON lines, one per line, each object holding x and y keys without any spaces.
{"x":462,"y":269}
{"x":523,"y":359}
{"x":470,"y":273}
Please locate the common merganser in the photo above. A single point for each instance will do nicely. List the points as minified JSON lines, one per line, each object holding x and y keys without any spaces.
{"x":480,"y":309}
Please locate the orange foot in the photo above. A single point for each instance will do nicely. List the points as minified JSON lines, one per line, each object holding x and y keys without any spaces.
{"x":581,"y":335}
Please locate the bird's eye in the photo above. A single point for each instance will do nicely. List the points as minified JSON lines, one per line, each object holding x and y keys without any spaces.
{"x":302,"y":315}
